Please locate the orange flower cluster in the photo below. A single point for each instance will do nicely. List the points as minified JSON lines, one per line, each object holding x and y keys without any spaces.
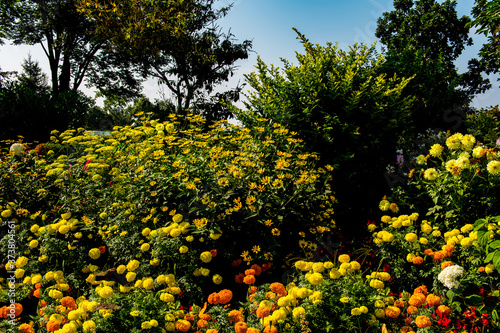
{"x":13,"y":309}
{"x":222,"y":297}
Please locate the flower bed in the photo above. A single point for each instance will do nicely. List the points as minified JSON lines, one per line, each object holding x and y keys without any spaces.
{"x":165,"y":227}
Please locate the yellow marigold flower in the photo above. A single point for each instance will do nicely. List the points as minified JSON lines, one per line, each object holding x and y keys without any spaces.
{"x":394,"y":208}
{"x":298,"y":312}
{"x":145,"y":247}
{"x":21,"y":262}
{"x":386,"y":219}
{"x":436,"y":150}
{"x":411,"y":237}
{"x":377,"y":284}
{"x":335,"y":274}
{"x":94,"y":253}
{"x":130,"y":276}
{"x":356,"y":312}
{"x":217,"y":279}
{"x":363,"y":309}
{"x":206,"y":257}
{"x":455,"y":141}
{"x":6,"y":213}
{"x":133,"y":265}
{"x":148,"y":283}
{"x":315,"y":279}
{"x":105,"y":292}
{"x":89,"y":326}
{"x":344,"y":258}
{"x":177,"y":218}
{"x":33,"y":243}
{"x":490,"y":268}
{"x":344,"y":299}
{"x":183,"y":249}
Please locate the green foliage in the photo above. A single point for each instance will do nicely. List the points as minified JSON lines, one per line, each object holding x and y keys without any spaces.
{"x":342,"y":106}
{"x":423,"y":39}
{"x":178,"y":43}
{"x":487,"y":19}
{"x":484,"y":125}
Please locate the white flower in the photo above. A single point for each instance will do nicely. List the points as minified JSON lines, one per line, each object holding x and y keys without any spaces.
{"x":449,"y":275}
{"x":17,"y":149}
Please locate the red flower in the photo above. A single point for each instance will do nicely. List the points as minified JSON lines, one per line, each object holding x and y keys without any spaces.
{"x":102,"y":249}
{"x":213,"y":252}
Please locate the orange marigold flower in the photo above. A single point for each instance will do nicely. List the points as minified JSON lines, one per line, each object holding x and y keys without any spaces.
{"x":433,"y":300}
{"x":53,"y":325}
{"x":235,"y":316}
{"x":480,"y":269}
{"x":263,"y":312}
{"x":252,"y":289}
{"x":408,"y":320}
{"x":241,"y":327}
{"x":182,"y":325}
{"x":36,"y":293}
{"x":257,"y":269}
{"x":423,"y":321}
{"x":213,"y":252}
{"x":428,"y":252}
{"x":418,"y":260}
{"x":69,"y":302}
{"x":26,"y":328}
{"x":3,"y":312}
{"x":411,"y":309}
{"x":438,"y":256}
{"x":417,"y":299}
{"x":38,"y":285}
{"x":421,"y":290}
{"x":249,"y":279}
{"x":252,"y":330}
{"x":202,"y":323}
{"x":212,"y":330}
{"x":449,"y":247}
{"x":102,"y":249}
{"x":445,"y":264}
{"x":270,"y":329}
{"x":225,"y":296}
{"x":214,"y":298}
{"x":392,"y":312}
{"x":250,"y":272}
{"x":406,"y":329}
{"x":239,"y":278}
{"x":443,"y":309}
{"x":278,"y":288}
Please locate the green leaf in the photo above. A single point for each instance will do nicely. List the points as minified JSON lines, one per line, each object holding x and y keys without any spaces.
{"x":489,"y":257}
{"x":494,"y":244}
{"x":474,"y":300}
{"x":496,"y":260}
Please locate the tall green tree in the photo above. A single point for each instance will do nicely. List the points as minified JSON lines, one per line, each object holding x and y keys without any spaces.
{"x":486,"y":16}
{"x":177,"y":42}
{"x":423,"y":38}
{"x":33,"y":76}
{"x":343,"y":108}
{"x":69,"y":41}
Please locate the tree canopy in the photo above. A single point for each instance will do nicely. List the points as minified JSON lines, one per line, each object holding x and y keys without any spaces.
{"x":424,"y":38}
{"x":75,"y":53}
{"x":176,"y":42}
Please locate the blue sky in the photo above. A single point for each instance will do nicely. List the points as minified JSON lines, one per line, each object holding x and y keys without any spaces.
{"x":268,"y":23}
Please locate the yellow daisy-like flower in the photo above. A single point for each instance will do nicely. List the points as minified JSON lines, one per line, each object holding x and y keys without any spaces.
{"x":436,"y":150}
{"x":276,"y":232}
{"x":493,"y":167}
{"x":430,"y":174}
{"x":256,"y":249}
{"x":384,"y":205}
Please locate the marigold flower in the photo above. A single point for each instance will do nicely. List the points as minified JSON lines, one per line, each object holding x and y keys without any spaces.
{"x":278,"y":288}
{"x":53,"y":325}
{"x":270,"y":329}
{"x":249,"y":279}
{"x":423,"y":321}
{"x":344,"y":258}
{"x":433,"y":300}
{"x":241,"y":327}
{"x":238,"y":278}
{"x":225,"y":296}
{"x":257,"y":269}
{"x":206,"y":257}
{"x":411,"y":309}
{"x":182,"y":324}
{"x":315,"y":279}
{"x":392,"y":312}
{"x":263,"y":312}
{"x":105,"y":292}
{"x":417,"y":300}
{"x":214,"y":298}
{"x":94,"y":253}
{"x":69,"y":302}
{"x":26,"y":328}
{"x":418,"y":260}
{"x":235,"y":316}
{"x":444,"y":310}
{"x":249,"y":272}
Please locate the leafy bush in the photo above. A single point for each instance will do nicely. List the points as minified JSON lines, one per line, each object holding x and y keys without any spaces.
{"x":344,"y":108}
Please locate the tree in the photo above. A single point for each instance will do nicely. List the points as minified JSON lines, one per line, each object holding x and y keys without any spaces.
{"x":343,"y":108}
{"x":487,"y":19}
{"x":32,"y":76}
{"x":68,"y":40}
{"x":424,"y":38}
{"x":176,"y":42}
